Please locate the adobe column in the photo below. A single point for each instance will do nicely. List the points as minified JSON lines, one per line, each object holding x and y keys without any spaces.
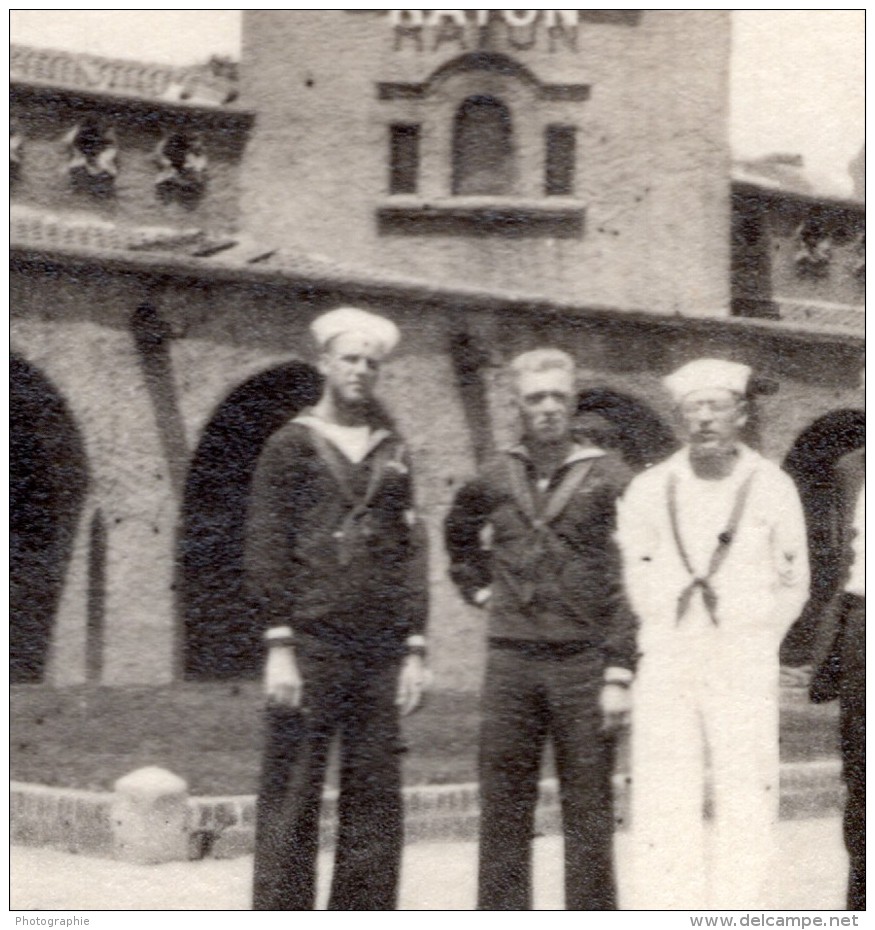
{"x":138,"y":473}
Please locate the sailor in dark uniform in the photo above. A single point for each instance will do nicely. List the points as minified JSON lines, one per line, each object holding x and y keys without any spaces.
{"x":335,"y":570}
{"x":531,"y":541}
{"x":840,"y":664}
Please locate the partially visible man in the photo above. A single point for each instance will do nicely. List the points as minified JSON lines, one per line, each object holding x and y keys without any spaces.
{"x":337,"y":577}
{"x":531,"y":539}
{"x":840,"y":663}
{"x":716,"y":568}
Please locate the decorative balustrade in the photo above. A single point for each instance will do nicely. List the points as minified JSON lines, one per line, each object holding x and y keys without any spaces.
{"x":38,"y":228}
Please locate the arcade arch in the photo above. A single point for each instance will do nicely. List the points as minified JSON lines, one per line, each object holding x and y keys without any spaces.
{"x":625,"y":424}
{"x":48,"y":483}
{"x":811,"y":463}
{"x":219,"y":638}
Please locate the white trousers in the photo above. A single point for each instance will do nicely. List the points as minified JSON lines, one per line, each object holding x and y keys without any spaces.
{"x":703,"y":703}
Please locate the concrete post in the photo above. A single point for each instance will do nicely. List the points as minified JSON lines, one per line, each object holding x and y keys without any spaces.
{"x":150,"y":817}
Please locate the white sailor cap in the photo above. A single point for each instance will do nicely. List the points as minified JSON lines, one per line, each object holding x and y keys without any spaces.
{"x":381,"y":333}
{"x":708,"y":374}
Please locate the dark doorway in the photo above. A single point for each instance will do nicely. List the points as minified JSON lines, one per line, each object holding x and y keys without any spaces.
{"x":616,"y":421}
{"x":483,"y":162}
{"x":48,"y":480}
{"x":811,"y":463}
{"x":220,"y":639}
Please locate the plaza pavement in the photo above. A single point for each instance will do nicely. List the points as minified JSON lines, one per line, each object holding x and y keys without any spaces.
{"x":812,"y":872}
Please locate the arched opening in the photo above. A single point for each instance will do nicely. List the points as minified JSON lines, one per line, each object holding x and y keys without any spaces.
{"x":483,"y":161}
{"x":616,"y":421}
{"x":220,"y":639}
{"x":811,"y":463}
{"x":48,"y":480}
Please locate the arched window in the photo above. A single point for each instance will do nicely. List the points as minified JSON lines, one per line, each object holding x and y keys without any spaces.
{"x":483,"y":161}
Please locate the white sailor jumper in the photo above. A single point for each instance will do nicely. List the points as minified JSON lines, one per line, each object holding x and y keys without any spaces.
{"x":706,"y":690}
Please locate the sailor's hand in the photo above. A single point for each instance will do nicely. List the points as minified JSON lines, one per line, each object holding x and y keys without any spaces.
{"x":412,"y":683}
{"x":615,"y":702}
{"x":282,"y":680}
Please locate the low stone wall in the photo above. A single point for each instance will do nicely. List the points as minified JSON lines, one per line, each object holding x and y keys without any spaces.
{"x":224,"y":827}
{"x":63,"y":818}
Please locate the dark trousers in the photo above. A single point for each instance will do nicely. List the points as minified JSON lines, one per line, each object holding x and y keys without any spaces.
{"x":528,"y":696}
{"x":852,"y":721}
{"x":354,"y":698}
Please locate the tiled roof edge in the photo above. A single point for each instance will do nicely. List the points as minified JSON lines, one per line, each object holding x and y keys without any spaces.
{"x":97,"y":74}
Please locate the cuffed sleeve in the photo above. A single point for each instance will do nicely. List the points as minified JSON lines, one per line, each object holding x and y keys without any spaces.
{"x":617,"y":675}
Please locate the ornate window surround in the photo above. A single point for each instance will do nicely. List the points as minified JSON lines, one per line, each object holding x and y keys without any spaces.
{"x":534,"y":214}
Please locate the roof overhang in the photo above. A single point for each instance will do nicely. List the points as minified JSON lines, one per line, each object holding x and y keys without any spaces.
{"x":117,"y":105}
{"x":770,"y":192}
{"x":314,"y":274}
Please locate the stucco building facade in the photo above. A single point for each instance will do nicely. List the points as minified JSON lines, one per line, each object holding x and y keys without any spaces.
{"x":561,"y":156}
{"x":171,"y":249}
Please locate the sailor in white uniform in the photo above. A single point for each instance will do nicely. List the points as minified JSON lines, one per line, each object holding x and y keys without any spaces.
{"x":716,"y":569}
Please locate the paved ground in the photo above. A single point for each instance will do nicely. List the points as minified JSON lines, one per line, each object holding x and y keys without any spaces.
{"x":435,"y":876}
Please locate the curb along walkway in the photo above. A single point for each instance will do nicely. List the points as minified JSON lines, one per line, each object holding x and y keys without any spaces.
{"x":223,"y":827}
